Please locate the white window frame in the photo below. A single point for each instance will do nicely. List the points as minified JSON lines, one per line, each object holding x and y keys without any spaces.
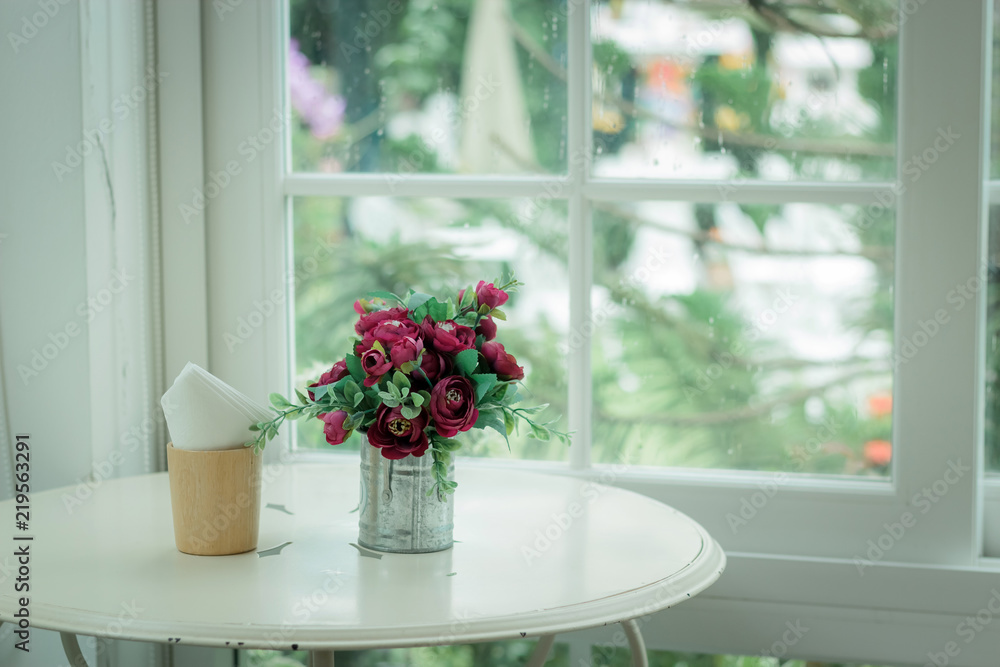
{"x":796,"y":558}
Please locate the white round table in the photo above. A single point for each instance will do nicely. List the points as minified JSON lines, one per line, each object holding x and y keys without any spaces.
{"x":535,"y":555}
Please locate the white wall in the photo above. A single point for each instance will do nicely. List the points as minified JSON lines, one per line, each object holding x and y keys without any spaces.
{"x":43,"y":278}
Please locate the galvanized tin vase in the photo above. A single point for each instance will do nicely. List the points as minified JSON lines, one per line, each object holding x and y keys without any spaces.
{"x":395,"y":513}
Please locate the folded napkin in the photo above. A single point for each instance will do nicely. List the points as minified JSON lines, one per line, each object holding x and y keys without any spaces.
{"x":205,"y":413}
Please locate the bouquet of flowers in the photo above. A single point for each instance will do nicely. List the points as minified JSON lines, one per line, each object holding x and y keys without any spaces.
{"x":422,"y":371}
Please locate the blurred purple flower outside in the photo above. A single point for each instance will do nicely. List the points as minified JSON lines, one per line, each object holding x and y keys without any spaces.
{"x":322,"y":111}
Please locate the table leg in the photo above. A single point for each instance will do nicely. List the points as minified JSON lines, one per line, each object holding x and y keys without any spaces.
{"x":320,"y":658}
{"x":635,"y":643}
{"x":541,"y":652}
{"x":71,"y":648}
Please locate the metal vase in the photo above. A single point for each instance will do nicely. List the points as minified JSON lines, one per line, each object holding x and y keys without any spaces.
{"x":396,"y":514}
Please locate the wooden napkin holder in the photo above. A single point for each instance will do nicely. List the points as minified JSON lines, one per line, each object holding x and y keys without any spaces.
{"x":215,"y":497}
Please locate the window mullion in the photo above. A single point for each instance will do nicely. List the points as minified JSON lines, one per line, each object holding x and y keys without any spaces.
{"x":937,"y":462}
{"x":580,"y":232}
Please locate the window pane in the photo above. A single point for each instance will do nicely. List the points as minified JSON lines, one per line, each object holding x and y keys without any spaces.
{"x":993,"y":346}
{"x":743,"y":337}
{"x":775,"y":91}
{"x":345,"y":248}
{"x":495,"y":654}
{"x":609,"y":656}
{"x":428,"y":86}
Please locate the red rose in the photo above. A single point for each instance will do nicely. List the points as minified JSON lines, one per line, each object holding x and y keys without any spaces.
{"x":487,"y":294}
{"x":435,"y":365}
{"x":391,"y":332}
{"x":338,"y":371}
{"x":453,"y":338}
{"x":503,"y":364}
{"x":333,"y":427}
{"x":487,"y":328}
{"x":396,"y":435}
{"x":368,"y":322}
{"x":375,"y":365}
{"x":452,"y":406}
{"x":407,"y":349}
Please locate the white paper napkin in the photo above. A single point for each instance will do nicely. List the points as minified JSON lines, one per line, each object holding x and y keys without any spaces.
{"x":205,"y":413}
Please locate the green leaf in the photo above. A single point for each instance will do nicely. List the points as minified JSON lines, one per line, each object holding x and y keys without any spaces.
{"x":509,"y":422}
{"x":467,"y":360}
{"x":483,"y":382}
{"x":386,"y":296}
{"x":302,"y":397}
{"x":394,"y":390}
{"x":417,"y":399}
{"x":400,"y":380}
{"x":360,"y":396}
{"x":351,"y":389}
{"x":409,"y":412}
{"x":417,"y":299}
{"x":294,"y":415}
{"x":490,"y":419}
{"x":409,"y":366}
{"x":354,"y":368}
{"x":496,"y":313}
{"x":540,"y":432}
{"x":532,"y":410}
{"x":279,"y":401}
{"x":438,"y":311}
{"x":255,"y":427}
{"x":448,"y":444}
{"x":320,"y":391}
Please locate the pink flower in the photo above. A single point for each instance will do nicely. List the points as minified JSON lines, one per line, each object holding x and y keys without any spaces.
{"x":487,"y":328}
{"x":397,"y":436}
{"x":452,"y":406}
{"x":375,"y":365}
{"x":435,"y":365}
{"x":405,"y":350}
{"x":487,"y":294}
{"x":390,"y":332}
{"x":369,"y":321}
{"x":338,"y":371}
{"x":502,"y":363}
{"x":333,"y":427}
{"x":453,"y":338}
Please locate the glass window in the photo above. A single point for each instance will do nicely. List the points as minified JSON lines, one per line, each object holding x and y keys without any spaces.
{"x":750,"y":337}
{"x":800,"y":91}
{"x":427,"y":86}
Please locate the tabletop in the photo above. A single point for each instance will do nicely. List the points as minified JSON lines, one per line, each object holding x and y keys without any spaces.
{"x":535,"y":554}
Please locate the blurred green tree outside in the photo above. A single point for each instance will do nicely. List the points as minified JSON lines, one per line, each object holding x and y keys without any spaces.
{"x":669,"y":386}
